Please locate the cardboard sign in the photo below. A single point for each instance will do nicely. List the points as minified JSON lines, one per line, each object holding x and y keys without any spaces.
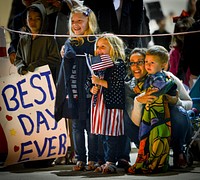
{"x":6,"y":68}
{"x":27,"y":117}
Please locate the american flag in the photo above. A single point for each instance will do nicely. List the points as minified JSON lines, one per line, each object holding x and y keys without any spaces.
{"x":101,"y":62}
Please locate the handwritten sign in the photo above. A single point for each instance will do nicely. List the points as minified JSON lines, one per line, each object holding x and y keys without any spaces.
{"x":27,"y":117}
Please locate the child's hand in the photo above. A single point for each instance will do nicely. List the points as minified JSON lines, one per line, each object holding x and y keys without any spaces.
{"x":94,"y":89}
{"x":95,"y":79}
{"x":23,"y":70}
{"x":62,"y":51}
{"x":147,"y":98}
{"x":12,"y":57}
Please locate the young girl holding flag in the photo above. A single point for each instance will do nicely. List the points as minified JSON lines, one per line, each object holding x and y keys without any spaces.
{"x":108,"y":99}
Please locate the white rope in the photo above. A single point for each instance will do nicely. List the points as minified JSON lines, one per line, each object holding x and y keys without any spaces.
{"x":109,"y":34}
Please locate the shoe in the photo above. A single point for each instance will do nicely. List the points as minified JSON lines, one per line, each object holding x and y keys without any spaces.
{"x":80,"y":166}
{"x":131,"y":170}
{"x":59,"y":161}
{"x":123,"y":163}
{"x":107,"y":168}
{"x":180,"y":162}
{"x":92,"y":165}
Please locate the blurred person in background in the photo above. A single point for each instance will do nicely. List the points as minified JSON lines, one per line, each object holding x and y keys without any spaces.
{"x":162,"y":40}
{"x":182,"y":24}
{"x":191,"y":47}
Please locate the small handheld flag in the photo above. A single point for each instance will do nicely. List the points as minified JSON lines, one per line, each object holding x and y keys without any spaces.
{"x":101,"y":62}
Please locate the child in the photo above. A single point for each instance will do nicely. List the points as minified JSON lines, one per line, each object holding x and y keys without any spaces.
{"x":182,"y":23}
{"x":17,"y":22}
{"x":72,"y":100}
{"x":155,"y":126}
{"x":108,"y":98}
{"x":33,"y":50}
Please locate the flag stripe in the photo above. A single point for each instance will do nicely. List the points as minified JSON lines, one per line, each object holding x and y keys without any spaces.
{"x":103,"y":62}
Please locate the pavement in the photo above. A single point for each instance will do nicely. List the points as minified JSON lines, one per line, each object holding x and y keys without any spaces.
{"x":60,"y":172}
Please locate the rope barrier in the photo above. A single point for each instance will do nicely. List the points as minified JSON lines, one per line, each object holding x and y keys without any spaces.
{"x":109,"y":34}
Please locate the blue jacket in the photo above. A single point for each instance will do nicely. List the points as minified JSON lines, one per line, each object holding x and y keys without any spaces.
{"x":70,"y":107}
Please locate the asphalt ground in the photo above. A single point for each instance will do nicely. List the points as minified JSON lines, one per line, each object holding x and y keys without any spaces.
{"x":59,"y":172}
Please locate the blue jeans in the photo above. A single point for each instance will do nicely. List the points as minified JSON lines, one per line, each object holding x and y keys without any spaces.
{"x":124,"y":148}
{"x":131,"y":130}
{"x":181,"y":128}
{"x":78,"y":132}
{"x":110,"y":148}
{"x":124,"y":142}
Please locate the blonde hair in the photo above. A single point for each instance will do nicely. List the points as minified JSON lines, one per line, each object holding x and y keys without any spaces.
{"x":160,"y":52}
{"x":92,"y":22}
{"x":117,"y":46}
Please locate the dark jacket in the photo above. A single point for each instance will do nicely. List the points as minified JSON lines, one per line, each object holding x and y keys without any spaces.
{"x":191,"y":49}
{"x":70,"y":107}
{"x":18,"y":23}
{"x":162,"y":40}
{"x":131,"y":18}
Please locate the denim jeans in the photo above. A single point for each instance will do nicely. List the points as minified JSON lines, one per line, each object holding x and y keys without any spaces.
{"x":181,"y":128}
{"x":110,"y":148}
{"x":131,"y":130}
{"x":124,"y":148}
{"x":124,"y":142}
{"x":114,"y":148}
{"x":121,"y":150}
{"x":78,"y":132}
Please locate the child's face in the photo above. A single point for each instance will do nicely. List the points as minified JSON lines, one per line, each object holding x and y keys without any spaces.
{"x":34,"y":21}
{"x":103,"y":47}
{"x":79,"y":23}
{"x":153,"y":64}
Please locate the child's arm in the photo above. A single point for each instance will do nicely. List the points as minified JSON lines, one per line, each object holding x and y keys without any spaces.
{"x":184,"y":99}
{"x":165,"y":85}
{"x":19,"y":62}
{"x":101,"y":82}
{"x":94,"y":89}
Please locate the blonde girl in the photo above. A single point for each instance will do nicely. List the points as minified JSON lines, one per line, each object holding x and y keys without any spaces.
{"x":108,"y":98}
{"x":72,"y":101}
